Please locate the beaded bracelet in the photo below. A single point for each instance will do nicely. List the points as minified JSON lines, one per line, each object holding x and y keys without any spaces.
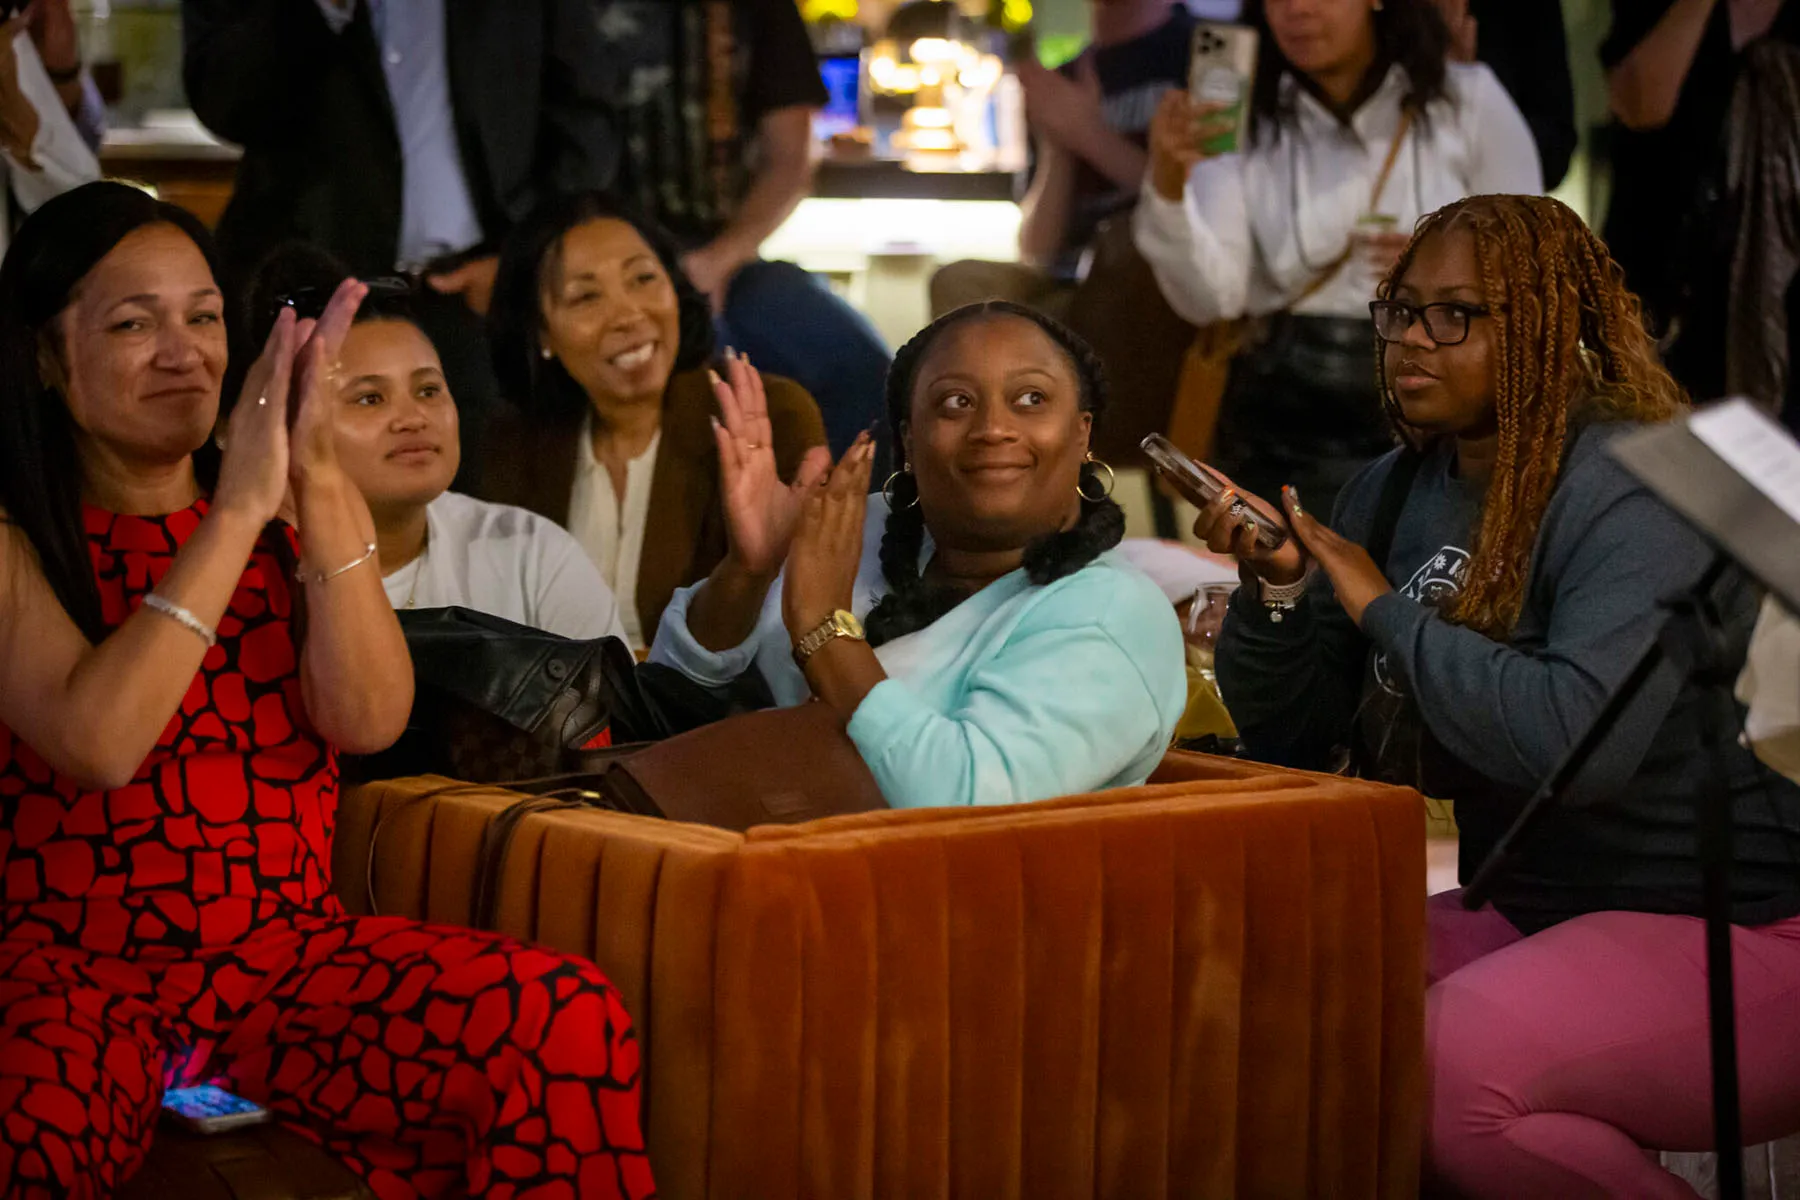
{"x":182,"y":617}
{"x":325,"y":576}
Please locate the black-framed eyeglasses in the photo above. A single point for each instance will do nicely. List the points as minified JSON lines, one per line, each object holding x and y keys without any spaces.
{"x":309,"y":302}
{"x":1446,"y":322}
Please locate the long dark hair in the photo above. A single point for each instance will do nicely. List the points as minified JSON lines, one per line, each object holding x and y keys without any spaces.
{"x":541,"y":387}
{"x":912,"y":603}
{"x":1411,"y":33}
{"x":40,"y":472}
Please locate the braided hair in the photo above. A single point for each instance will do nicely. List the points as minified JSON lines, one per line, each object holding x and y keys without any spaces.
{"x":1570,"y":348}
{"x":912,"y":602}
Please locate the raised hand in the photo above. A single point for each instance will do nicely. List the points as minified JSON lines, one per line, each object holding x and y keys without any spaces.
{"x":1354,"y":575}
{"x":253,"y":474}
{"x":1179,"y":134}
{"x":827,"y":546}
{"x":314,"y":451}
{"x":760,"y":510}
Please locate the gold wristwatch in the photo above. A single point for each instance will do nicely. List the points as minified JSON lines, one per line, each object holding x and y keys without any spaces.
{"x":838,"y":624}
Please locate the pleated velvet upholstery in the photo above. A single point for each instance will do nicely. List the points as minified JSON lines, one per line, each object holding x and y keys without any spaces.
{"x":1211,"y":985}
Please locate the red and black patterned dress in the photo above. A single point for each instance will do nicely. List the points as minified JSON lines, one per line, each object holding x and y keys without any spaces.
{"x":181,"y":930}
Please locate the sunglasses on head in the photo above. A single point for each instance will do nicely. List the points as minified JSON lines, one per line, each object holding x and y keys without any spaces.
{"x":309,"y":302}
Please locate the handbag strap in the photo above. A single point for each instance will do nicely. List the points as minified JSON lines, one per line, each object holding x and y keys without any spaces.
{"x":496,"y":839}
{"x":1381,"y":181}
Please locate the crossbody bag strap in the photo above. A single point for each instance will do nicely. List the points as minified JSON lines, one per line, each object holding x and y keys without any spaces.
{"x":1381,"y":181}
{"x":1394,"y":491}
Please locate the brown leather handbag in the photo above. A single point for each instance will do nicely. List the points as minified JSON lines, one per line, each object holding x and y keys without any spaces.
{"x":780,"y":766}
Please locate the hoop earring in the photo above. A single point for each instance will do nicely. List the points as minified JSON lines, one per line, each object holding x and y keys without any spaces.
{"x":887,"y":492}
{"x":1111,"y":480}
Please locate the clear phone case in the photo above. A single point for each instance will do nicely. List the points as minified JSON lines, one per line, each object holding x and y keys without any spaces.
{"x":1202,"y":485}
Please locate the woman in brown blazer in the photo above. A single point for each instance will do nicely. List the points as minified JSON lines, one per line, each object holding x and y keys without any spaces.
{"x":604,"y":348}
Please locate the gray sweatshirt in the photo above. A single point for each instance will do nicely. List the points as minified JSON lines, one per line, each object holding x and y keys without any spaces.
{"x":1482,"y":722}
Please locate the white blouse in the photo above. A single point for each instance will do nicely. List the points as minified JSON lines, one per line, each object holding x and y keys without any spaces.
{"x":508,"y":562}
{"x":1254,"y":229}
{"x":612,"y":532}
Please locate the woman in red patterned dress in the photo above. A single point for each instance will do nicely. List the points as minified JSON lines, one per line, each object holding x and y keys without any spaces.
{"x":178,"y":669}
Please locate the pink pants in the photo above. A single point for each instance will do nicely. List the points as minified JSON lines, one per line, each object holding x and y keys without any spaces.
{"x":1555,"y":1060}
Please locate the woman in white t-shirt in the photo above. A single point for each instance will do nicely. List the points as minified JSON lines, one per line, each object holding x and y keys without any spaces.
{"x":398,"y":442}
{"x":1359,"y":126}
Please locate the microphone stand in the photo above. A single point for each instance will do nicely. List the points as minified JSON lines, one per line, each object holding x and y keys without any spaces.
{"x":1693,"y":638}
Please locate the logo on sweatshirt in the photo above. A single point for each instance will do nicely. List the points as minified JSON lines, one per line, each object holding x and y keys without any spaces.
{"x":1434,"y":585}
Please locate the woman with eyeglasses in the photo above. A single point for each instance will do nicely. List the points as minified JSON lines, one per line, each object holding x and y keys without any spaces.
{"x":1478,"y":594}
{"x":1358,"y":127}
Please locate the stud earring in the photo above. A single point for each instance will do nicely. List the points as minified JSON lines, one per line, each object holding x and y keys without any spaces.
{"x":544,"y":353}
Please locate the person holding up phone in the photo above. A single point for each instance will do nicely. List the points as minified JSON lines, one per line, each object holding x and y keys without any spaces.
{"x":1456,"y":627}
{"x":1358,"y":127}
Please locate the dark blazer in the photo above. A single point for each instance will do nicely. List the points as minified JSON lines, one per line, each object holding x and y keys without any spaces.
{"x":321,"y":158}
{"x":1524,"y":43}
{"x":532,"y":465}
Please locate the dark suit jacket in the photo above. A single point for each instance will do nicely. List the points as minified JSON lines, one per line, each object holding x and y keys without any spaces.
{"x":532,"y":465}
{"x":321,"y":151}
{"x":1523,"y":41}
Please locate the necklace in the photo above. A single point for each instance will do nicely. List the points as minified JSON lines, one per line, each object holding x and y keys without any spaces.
{"x":418,"y":565}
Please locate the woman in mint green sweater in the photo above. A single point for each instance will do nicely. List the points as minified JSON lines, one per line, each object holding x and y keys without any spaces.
{"x":1010,"y":654}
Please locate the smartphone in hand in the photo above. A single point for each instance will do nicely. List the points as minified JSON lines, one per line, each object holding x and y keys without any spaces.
{"x":1222,"y":71}
{"x":209,"y":1109}
{"x":1202,"y":485}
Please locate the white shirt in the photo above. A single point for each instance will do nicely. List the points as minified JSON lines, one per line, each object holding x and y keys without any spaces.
{"x":508,"y":563}
{"x":611,"y":532}
{"x":1254,"y":229}
{"x":62,"y":159}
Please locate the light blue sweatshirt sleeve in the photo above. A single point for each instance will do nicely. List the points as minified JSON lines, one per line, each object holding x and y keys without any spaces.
{"x":768,"y":649}
{"x":1084,"y":693}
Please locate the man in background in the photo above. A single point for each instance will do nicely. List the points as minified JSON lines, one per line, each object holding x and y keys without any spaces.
{"x":402,"y":136}
{"x":719,"y":102}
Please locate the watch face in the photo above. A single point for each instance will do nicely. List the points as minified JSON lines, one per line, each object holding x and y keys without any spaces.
{"x":847,"y":623}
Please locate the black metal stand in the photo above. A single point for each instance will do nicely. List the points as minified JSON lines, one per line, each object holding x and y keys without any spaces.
{"x":1692,"y":637}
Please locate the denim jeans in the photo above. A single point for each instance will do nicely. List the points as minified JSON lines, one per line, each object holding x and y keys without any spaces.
{"x":791,"y":324}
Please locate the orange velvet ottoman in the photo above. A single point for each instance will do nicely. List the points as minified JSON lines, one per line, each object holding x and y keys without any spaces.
{"x":1208,"y":986}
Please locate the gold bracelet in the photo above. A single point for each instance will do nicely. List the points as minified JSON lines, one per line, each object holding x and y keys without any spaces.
{"x":326,"y":576}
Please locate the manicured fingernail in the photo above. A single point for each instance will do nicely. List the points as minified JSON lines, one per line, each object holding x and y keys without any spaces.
{"x":730,"y":354}
{"x":714,"y":376}
{"x":1294,"y":495}
{"x":714,"y":420}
